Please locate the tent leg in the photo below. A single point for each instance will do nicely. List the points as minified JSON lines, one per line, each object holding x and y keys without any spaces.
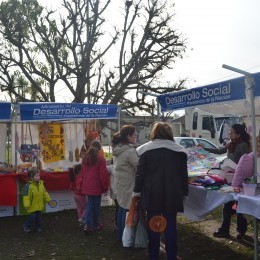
{"x":255,"y":239}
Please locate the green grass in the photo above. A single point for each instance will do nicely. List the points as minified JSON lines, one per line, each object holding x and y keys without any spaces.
{"x":63,"y":239}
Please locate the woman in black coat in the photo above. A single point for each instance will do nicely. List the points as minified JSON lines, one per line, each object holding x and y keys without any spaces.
{"x":162,"y":182}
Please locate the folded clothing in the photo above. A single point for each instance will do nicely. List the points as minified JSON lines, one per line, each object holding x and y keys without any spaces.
{"x":227,"y":189}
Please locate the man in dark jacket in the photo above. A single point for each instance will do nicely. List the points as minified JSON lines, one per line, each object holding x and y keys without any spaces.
{"x":162,"y":182}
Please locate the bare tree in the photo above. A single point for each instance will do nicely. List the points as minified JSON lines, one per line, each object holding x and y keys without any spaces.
{"x":46,"y":50}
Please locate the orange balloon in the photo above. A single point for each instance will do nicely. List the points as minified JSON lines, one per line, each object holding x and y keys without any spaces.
{"x":158,"y":224}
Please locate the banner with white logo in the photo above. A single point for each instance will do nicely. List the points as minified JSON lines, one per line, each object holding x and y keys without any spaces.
{"x":229,"y":90}
{"x":63,"y":111}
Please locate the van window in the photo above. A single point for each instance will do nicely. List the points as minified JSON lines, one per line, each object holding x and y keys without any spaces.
{"x":195,"y":121}
{"x":206,"y":123}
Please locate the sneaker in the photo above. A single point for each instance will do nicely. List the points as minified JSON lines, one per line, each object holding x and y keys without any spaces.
{"x":221,"y":234}
{"x":26,"y":229}
{"x":87,"y":229}
{"x":81,"y":222}
{"x":99,"y":227}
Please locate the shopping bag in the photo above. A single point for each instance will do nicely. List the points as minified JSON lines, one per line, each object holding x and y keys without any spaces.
{"x":128,"y":237}
{"x":141,"y":236}
{"x":133,"y":211}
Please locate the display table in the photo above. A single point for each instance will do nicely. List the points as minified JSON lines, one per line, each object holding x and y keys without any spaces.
{"x":249,"y":205}
{"x":53,"y":181}
{"x":201,"y":201}
{"x":56,"y":181}
{"x":8,"y":189}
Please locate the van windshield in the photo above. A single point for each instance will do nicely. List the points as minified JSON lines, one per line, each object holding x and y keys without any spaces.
{"x":229,"y":120}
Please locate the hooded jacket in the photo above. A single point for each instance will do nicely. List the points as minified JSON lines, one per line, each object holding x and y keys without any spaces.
{"x":95,"y":178}
{"x":162,"y":176}
{"x":125,"y":163}
{"x":35,"y":196}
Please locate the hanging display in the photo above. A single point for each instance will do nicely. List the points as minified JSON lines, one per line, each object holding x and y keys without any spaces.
{"x":28,"y":152}
{"x":52,"y":145}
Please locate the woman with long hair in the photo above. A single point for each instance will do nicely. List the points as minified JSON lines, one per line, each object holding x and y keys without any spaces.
{"x":239,"y":145}
{"x":95,"y":181}
{"x":125,"y":164}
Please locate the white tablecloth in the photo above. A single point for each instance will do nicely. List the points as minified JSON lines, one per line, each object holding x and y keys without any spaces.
{"x":249,"y":205}
{"x":201,"y":201}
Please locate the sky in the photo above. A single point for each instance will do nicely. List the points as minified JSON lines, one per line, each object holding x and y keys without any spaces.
{"x":217,"y":32}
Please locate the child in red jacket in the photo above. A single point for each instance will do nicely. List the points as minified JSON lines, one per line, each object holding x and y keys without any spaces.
{"x":95,"y":182}
{"x":76,"y":186}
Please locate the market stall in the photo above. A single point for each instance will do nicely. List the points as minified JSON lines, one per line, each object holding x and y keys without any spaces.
{"x":239,"y":96}
{"x":7,"y":180}
{"x":49,"y":136}
{"x":57,"y":132}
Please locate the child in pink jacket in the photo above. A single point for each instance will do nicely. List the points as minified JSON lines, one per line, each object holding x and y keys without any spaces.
{"x":76,"y":186}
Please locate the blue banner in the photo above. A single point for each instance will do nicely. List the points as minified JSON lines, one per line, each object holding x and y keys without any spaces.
{"x":5,"y":111}
{"x":65,"y":111}
{"x":229,"y":90}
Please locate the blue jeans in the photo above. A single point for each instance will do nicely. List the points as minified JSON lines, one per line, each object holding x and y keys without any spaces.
{"x":170,"y":236}
{"x":33,"y":220}
{"x":121,"y":216}
{"x":92,"y":211}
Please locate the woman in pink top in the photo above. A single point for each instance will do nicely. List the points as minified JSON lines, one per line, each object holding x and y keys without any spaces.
{"x":95,"y":182}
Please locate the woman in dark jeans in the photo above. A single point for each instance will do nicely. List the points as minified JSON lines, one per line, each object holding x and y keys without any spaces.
{"x":238,"y":146}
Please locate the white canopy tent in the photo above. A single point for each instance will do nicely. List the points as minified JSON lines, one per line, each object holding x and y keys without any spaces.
{"x":239,"y":96}
{"x":72,"y":116}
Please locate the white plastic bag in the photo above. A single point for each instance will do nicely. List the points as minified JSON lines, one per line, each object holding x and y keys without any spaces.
{"x":128,"y":237}
{"x":141,"y":236}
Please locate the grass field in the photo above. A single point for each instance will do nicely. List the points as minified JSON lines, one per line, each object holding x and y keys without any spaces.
{"x":63,"y":239}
